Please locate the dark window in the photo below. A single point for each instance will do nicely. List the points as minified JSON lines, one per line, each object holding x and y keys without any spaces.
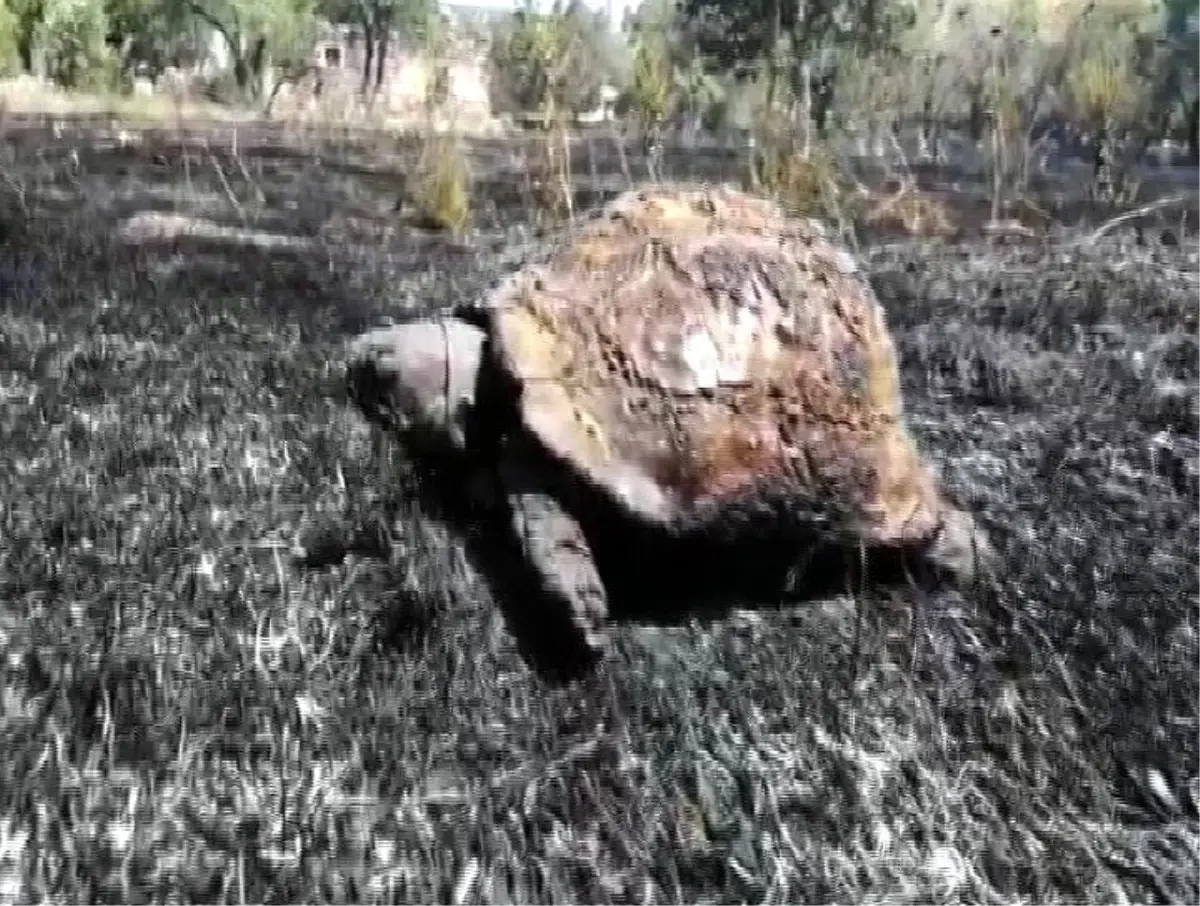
{"x":333,"y":56}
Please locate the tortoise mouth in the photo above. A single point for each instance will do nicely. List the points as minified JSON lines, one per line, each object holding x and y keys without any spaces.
{"x":423,"y":425}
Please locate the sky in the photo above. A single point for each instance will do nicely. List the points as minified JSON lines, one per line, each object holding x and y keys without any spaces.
{"x":614,"y":8}
{"x":617,"y":6}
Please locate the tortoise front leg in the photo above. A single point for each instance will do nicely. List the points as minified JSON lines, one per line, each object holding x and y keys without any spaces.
{"x":961,"y":547}
{"x":555,"y":548}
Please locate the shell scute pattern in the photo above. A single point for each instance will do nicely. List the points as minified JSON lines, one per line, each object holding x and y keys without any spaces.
{"x":690,"y":346}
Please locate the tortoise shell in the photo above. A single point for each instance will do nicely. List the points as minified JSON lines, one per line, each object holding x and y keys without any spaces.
{"x":691,"y":351}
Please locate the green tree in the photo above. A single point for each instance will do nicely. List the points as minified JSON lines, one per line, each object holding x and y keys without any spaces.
{"x":1175,"y":75}
{"x":653,"y":77}
{"x":258,"y":33}
{"x":146,"y":32}
{"x":698,"y":90}
{"x":28,"y":15}
{"x":789,"y":43}
{"x":377,"y":20}
{"x":10,"y":52}
{"x":740,"y":34}
{"x":553,"y":61}
{"x":72,"y":37}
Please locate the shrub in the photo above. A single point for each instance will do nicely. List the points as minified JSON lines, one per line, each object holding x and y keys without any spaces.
{"x":10,"y":54}
{"x":443,"y":187}
{"x":808,"y":183}
{"x":72,"y":37}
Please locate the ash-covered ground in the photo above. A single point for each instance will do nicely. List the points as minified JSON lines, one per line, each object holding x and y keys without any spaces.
{"x":188,"y":715}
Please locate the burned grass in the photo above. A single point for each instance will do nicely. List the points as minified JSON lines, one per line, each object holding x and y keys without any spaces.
{"x":188,"y":715}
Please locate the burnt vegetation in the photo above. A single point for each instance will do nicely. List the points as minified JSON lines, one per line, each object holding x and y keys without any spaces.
{"x":241,"y":663}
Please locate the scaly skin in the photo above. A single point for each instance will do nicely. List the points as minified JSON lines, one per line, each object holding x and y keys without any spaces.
{"x":555,"y":546}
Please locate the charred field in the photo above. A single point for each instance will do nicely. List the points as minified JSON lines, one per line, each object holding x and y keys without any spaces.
{"x":191,"y":713}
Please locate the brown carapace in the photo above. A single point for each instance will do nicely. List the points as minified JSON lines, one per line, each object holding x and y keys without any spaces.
{"x":696,"y":351}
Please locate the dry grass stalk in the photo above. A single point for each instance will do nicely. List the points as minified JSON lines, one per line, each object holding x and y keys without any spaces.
{"x":443,"y":195}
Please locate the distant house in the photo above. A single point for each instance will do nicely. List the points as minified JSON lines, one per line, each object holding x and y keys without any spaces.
{"x":339,"y":58}
{"x":605,"y":110}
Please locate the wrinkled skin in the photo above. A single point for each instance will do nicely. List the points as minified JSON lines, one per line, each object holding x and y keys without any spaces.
{"x":420,"y":380}
{"x":423,"y":381}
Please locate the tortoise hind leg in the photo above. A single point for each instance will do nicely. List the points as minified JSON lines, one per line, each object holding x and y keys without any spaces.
{"x":555,"y":549}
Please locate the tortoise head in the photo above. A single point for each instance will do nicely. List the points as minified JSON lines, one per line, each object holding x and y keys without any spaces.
{"x":418,"y":380}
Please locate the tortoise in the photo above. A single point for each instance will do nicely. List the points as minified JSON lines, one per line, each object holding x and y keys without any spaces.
{"x":694,"y":362}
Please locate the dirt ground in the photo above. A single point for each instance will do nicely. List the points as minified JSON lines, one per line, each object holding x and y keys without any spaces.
{"x":190,"y":714}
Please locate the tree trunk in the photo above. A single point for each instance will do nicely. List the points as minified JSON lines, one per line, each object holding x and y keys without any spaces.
{"x":364,"y":88}
{"x":773,"y":59}
{"x":125,"y":54}
{"x":927,"y":143}
{"x":241,"y":73}
{"x":823,"y":102}
{"x":976,"y":116}
{"x":369,"y":39}
{"x":769,"y":94}
{"x":1193,"y":132}
{"x":1102,"y":160}
{"x":257,"y":63}
{"x":385,"y":34}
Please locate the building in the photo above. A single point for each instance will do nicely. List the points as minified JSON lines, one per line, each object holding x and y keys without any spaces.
{"x":458,"y":79}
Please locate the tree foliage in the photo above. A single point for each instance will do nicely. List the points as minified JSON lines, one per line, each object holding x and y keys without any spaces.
{"x":257,"y":33}
{"x":145,"y":33}
{"x":10,"y":51}
{"x":71,"y":37}
{"x":553,"y":61}
{"x":1124,"y":64}
{"x":653,"y":76}
{"x":28,"y":15}
{"x":739,"y":35}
